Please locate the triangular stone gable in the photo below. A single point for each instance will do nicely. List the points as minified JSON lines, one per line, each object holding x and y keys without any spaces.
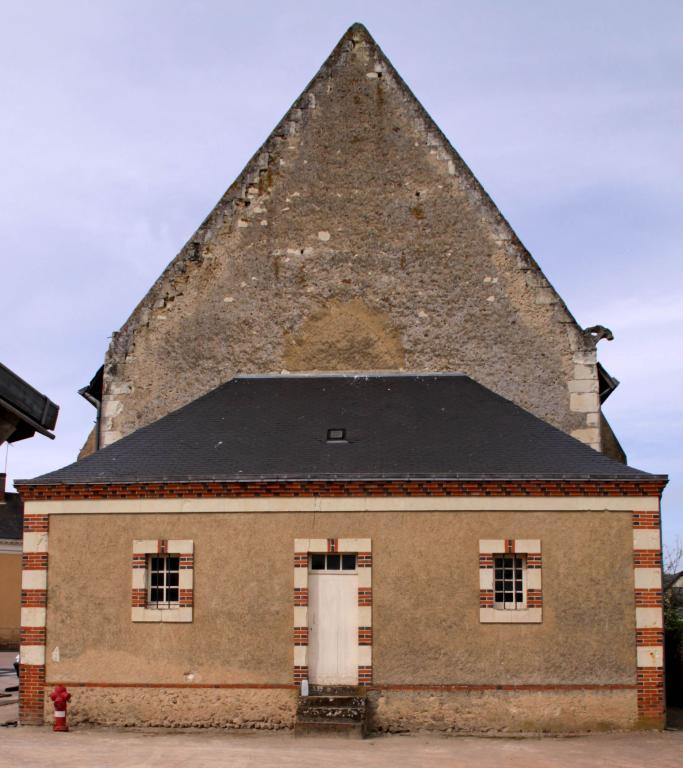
{"x":356,"y":238}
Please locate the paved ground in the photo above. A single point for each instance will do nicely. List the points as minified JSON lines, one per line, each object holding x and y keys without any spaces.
{"x":94,"y":748}
{"x":100,"y":748}
{"x":8,"y":703}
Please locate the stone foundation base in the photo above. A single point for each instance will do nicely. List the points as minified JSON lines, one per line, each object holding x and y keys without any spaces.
{"x":263,"y":708}
{"x":502,"y":711}
{"x":392,"y":711}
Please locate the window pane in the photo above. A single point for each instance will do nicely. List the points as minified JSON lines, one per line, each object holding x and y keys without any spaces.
{"x":154,"y":595}
{"x":172,"y":579}
{"x":348,"y":562}
{"x":172,"y":595}
{"x":333,"y":562}
{"x":154,"y":579}
{"x":172,"y":563}
{"x":318,"y":562}
{"x":156,"y":563}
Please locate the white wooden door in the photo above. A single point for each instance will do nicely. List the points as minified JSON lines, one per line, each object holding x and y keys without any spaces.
{"x":333,"y":628}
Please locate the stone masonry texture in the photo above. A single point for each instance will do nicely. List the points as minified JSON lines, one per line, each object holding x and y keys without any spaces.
{"x":355,"y":239}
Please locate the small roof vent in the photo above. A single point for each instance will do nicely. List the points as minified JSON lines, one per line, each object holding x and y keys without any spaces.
{"x":336,"y":435}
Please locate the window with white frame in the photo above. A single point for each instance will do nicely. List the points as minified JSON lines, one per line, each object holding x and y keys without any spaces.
{"x":509,"y":583}
{"x":163,"y":581}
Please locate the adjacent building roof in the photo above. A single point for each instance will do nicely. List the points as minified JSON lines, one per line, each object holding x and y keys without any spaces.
{"x":444,"y":426}
{"x":11,"y":517}
{"x":23,"y":410}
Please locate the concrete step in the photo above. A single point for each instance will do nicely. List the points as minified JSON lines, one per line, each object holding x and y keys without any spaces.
{"x":332,"y":702}
{"x":329,"y":727}
{"x":331,"y":711}
{"x":337,"y":690}
{"x":355,"y":714}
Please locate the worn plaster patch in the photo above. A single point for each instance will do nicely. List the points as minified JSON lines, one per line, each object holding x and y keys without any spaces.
{"x":344,"y":336}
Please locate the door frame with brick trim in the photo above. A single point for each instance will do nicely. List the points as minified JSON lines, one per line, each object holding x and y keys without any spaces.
{"x":363,"y":550}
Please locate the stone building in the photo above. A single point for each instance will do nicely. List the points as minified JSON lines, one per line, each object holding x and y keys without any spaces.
{"x":356,"y":239}
{"x":285,"y":494}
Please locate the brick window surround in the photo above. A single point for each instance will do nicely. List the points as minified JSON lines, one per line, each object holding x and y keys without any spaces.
{"x":140,"y":610}
{"x":363,"y":549}
{"x":533,"y":612}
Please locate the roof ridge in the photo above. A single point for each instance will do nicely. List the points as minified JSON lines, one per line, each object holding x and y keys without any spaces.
{"x":348,"y":375}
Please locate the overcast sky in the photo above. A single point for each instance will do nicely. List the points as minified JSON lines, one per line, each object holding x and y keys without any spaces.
{"x":124,"y":122}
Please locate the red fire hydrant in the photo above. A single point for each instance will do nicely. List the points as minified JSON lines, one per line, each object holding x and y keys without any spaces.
{"x":60,"y":696}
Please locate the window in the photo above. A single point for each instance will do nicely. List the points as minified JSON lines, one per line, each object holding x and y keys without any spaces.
{"x":509,"y":588}
{"x":510,"y":581}
{"x":332,"y":562}
{"x":163,"y":586}
{"x":162,"y":583}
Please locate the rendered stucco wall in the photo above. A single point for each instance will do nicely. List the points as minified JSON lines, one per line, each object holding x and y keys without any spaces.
{"x":356,"y":239}
{"x":425,"y":615}
{"x":10,"y":599}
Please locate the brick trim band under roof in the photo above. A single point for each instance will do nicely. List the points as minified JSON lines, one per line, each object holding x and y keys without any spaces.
{"x":521,"y":488}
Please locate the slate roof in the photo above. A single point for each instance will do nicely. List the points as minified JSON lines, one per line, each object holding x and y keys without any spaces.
{"x":396,"y":427}
{"x":11,"y":517}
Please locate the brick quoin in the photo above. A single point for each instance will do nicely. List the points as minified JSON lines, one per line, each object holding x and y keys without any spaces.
{"x":301,"y":559}
{"x":300,"y":635}
{"x":300,"y":673}
{"x":32,"y":696}
{"x":364,"y":560}
{"x":33,"y":598}
{"x":646,"y":519}
{"x":647,"y":558}
{"x":32,"y":635}
{"x":649,"y":598}
{"x":364,"y":635}
{"x":185,"y":598}
{"x":651,"y":693}
{"x":35,"y":523}
{"x":650,"y":680}
{"x":649,"y":636}
{"x":34,"y":561}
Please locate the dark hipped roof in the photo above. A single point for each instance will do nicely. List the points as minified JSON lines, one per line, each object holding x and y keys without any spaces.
{"x":396,"y":426}
{"x":11,"y":517}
